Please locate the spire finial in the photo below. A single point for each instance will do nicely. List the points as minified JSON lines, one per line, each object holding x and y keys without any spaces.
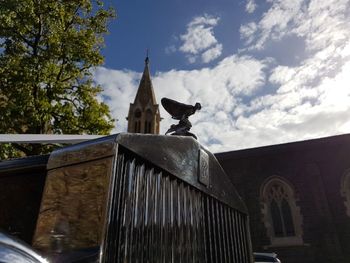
{"x":147,"y":59}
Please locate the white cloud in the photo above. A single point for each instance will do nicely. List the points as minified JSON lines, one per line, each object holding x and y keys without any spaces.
{"x":204,"y":20}
{"x":119,"y":90}
{"x":199,"y":39}
{"x":311,"y":99}
{"x":199,"y":35}
{"x":249,"y":102}
{"x":212,"y":53}
{"x":317,"y":21}
{"x":308,"y":100}
{"x":217,"y":89}
{"x":170,"y":49}
{"x":247,"y":31}
{"x":250,"y":6}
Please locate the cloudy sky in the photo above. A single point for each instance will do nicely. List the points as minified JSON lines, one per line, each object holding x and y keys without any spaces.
{"x":265,"y":72}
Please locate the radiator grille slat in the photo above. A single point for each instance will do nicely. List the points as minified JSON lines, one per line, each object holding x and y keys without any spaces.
{"x":155,"y":217}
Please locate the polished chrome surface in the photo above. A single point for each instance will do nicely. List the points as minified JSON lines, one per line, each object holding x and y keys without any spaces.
{"x":203,"y":169}
{"x":15,"y":251}
{"x":142,"y":198}
{"x":72,"y":212}
{"x":155,"y":217}
{"x":179,"y":156}
{"x":82,"y":152}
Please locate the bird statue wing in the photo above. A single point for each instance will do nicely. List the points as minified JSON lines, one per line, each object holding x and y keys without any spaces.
{"x":176,"y":109}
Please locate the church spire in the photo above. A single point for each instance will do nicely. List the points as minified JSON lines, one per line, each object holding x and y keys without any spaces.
{"x":144,"y":116}
{"x":147,"y":59}
{"x":145,"y":91}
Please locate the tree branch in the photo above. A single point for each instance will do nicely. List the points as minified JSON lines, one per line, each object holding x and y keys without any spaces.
{"x":21,"y":148}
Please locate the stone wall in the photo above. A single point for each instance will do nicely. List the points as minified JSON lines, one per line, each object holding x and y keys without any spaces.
{"x":315,"y":168}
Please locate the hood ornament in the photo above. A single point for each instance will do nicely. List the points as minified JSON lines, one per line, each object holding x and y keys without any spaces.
{"x":181,"y":112}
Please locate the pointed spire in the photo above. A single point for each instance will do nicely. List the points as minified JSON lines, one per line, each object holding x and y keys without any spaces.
{"x":147,"y":59}
{"x":145,"y":91}
{"x":144,"y":115}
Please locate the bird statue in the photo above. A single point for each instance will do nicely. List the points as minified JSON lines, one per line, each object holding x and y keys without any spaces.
{"x":181,"y":112}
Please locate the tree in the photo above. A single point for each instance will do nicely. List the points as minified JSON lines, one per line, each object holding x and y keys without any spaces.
{"x":48,"y":49}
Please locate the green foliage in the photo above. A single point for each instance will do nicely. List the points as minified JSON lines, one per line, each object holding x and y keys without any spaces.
{"x":47,"y":51}
{"x":8,"y":151}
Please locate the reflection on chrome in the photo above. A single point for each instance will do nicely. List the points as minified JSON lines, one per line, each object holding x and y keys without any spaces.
{"x":133,"y":198}
{"x":15,"y":251}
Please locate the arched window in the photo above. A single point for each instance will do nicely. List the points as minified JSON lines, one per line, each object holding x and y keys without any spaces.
{"x":137,"y":124}
{"x":281,"y":215}
{"x":345,"y":190}
{"x":148,"y":121}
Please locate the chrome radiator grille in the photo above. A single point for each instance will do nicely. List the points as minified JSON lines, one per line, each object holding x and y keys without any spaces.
{"x":156,"y":217}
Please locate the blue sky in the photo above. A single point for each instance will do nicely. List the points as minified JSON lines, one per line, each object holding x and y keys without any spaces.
{"x":265,"y":72}
{"x":158,"y":24}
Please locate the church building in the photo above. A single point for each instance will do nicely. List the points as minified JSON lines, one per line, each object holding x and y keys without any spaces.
{"x":144,"y":116}
{"x":298,"y":197}
{"x":297,"y":194}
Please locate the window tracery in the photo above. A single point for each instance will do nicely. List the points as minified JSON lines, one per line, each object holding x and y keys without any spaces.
{"x":282,"y":216}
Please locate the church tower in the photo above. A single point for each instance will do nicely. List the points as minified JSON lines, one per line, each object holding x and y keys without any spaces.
{"x":144,"y":116}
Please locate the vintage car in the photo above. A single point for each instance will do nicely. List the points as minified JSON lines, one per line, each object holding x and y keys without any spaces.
{"x":126,"y":197}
